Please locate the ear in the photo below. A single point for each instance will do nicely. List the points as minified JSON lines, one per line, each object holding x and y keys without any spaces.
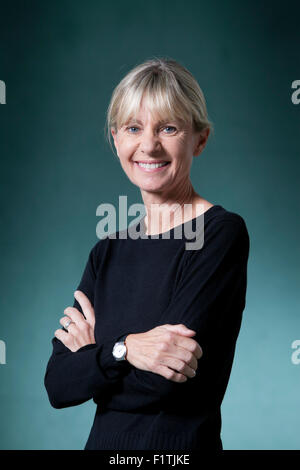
{"x":201,"y":141}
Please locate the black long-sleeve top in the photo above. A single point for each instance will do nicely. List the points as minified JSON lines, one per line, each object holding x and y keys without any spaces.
{"x":136,"y":284}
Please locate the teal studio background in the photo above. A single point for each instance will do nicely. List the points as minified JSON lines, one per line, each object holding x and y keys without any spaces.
{"x":60,"y":61}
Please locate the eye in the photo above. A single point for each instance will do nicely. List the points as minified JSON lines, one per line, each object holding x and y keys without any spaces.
{"x":134,"y":127}
{"x":131,"y":127}
{"x":170,"y":127}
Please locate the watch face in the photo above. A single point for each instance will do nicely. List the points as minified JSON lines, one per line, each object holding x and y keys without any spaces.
{"x":119,"y":350}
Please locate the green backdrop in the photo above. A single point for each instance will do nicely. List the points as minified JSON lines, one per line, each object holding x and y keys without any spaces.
{"x":60,"y":61}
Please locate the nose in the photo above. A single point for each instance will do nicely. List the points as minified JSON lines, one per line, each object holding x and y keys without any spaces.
{"x":149,"y":141}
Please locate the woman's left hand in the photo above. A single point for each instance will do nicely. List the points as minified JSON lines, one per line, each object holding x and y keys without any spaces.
{"x":80,"y":330}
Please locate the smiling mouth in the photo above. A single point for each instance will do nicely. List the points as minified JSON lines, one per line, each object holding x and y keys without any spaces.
{"x":153,"y":167}
{"x":152,"y":164}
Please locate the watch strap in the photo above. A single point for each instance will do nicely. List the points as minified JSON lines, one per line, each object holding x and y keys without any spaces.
{"x":122,"y":338}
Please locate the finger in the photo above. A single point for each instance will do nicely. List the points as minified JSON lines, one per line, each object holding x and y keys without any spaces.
{"x":185,"y":356}
{"x":180,"y":329}
{"x":86,"y":306}
{"x":75,"y":315}
{"x":66,"y":339}
{"x":190,"y":344}
{"x":178,"y":356}
{"x":63,"y":336}
{"x":170,"y":374}
{"x":182,"y":367}
{"x":71,"y":328}
{"x":183,"y":341}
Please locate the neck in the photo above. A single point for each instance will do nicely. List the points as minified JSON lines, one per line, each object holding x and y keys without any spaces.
{"x":165,"y":212}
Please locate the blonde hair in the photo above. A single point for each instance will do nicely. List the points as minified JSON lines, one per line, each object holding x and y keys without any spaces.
{"x":169,"y":90}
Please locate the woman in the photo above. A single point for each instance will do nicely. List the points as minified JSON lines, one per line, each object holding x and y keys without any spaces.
{"x":152,"y":332}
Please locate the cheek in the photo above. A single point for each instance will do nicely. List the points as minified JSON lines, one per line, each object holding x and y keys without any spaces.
{"x":181,"y":154}
{"x":126,"y":149}
{"x":179,"y":147}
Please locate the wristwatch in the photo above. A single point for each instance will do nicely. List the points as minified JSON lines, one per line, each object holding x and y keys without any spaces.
{"x":120,"y":350}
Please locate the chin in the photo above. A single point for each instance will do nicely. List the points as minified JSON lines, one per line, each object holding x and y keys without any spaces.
{"x":151,"y":188}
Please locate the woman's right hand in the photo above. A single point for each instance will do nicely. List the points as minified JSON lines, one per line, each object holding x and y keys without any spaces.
{"x":167,"y":350}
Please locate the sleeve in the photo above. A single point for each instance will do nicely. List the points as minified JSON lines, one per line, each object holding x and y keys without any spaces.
{"x":209,"y":299}
{"x":72,"y":378}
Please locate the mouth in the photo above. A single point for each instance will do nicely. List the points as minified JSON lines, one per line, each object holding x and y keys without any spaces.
{"x":151,"y":167}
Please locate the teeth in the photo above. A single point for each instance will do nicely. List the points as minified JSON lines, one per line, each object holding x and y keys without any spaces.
{"x":152,"y":165}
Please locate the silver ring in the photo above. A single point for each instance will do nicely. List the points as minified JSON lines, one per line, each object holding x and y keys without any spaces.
{"x":68,"y":323}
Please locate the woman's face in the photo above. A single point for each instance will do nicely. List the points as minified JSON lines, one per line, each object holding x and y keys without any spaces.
{"x":149,"y":141}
